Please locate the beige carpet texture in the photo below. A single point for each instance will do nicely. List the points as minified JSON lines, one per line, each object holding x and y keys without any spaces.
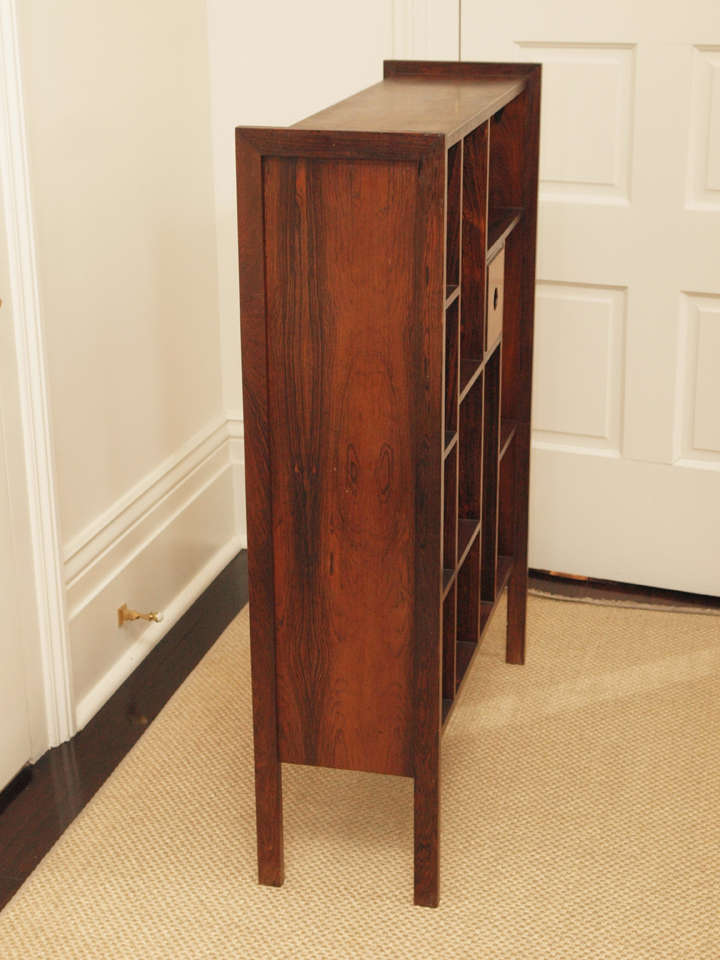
{"x":581,"y":818}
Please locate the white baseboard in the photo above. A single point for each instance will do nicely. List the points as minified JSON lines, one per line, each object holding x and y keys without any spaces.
{"x":134,"y":654}
{"x":157,"y":548}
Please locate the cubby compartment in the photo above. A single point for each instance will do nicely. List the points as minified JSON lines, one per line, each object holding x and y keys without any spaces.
{"x":470,"y":455}
{"x":468,"y":610}
{"x":450,"y":513}
{"x":505,"y":173}
{"x":449,"y":631}
{"x":491,"y":462}
{"x":452,"y":334}
{"x":452,"y":239}
{"x":474,"y":247}
{"x":507,"y":502}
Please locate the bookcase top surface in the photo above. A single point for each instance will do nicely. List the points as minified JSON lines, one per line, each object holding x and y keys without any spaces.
{"x":449,"y":106}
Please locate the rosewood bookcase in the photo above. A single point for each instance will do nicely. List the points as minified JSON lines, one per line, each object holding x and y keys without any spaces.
{"x":387,"y":273}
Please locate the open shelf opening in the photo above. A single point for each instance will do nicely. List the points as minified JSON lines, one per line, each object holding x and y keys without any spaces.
{"x":452,"y":334}
{"x":505,"y":200}
{"x":487,"y":607}
{"x":454,"y":191}
{"x":506,"y":503}
{"x":450,"y":511}
{"x":474,"y":243}
{"x":470,"y":445}
{"x":491,"y":463}
{"x":468,"y":610}
{"x":449,"y":627}
{"x":501,"y":222}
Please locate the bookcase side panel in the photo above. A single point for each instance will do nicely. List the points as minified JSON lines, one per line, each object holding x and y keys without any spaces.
{"x":340,"y":284}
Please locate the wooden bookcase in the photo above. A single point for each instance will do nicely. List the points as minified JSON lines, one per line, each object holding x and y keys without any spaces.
{"x":387,"y":272}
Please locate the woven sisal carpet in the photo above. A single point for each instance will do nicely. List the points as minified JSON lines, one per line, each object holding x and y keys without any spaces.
{"x":581,"y":819}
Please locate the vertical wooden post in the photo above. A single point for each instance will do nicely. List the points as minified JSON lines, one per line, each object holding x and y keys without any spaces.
{"x":523,"y":154}
{"x":518,"y":583}
{"x":268,"y":782}
{"x":428,"y":431}
{"x":426,"y":805}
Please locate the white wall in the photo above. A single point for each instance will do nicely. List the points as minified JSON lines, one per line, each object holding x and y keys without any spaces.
{"x":117,"y":109}
{"x":117,"y":106}
{"x":271,"y":64}
{"x":130,"y":110}
{"x":22,"y":665}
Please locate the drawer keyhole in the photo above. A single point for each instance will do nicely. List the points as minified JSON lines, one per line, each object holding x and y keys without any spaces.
{"x":495,"y":299}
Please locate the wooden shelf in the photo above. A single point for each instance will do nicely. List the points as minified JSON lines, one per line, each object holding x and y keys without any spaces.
{"x":467,"y":531}
{"x":507,"y":432}
{"x":501,"y":223}
{"x":466,"y":650}
{"x":451,"y":293}
{"x":470,"y":370}
{"x":505,"y":565}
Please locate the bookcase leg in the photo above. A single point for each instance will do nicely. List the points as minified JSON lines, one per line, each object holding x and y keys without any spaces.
{"x":517,"y":587}
{"x":268,"y":811}
{"x":516,"y":607}
{"x":427,"y":843}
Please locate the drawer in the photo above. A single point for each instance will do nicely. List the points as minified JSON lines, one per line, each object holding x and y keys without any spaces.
{"x":495,"y":280}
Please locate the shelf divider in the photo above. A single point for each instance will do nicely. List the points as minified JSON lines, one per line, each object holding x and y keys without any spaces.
{"x":470,"y":370}
{"x":452,"y":291}
{"x":507,"y":432}
{"x":501,"y":222}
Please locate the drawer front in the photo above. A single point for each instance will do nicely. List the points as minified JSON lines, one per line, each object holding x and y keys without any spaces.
{"x":496,"y":275}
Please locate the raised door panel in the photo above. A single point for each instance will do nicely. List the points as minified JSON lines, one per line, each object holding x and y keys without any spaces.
{"x":625,"y":401}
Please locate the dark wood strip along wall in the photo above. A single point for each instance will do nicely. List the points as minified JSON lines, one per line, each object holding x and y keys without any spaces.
{"x":65,"y":778}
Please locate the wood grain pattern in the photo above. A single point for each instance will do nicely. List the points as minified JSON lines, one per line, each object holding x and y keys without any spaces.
{"x":449,"y":644}
{"x":452,"y":335}
{"x":456,"y":69}
{"x":342,"y":481}
{"x":491,"y":458}
{"x":506,"y":502}
{"x":453,"y":206}
{"x":450,"y":511}
{"x":468,"y":599}
{"x":508,"y":159}
{"x":520,"y":157}
{"x":474,"y":244}
{"x":268,"y":777}
{"x":451,"y":107}
{"x":426,"y":349}
{"x":470,"y":444}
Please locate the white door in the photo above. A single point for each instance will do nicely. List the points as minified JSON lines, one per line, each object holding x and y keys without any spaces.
{"x":626,"y":401}
{"x":15,"y":733}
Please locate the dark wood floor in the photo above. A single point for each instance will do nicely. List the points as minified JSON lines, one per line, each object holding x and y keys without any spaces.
{"x":46,"y":797}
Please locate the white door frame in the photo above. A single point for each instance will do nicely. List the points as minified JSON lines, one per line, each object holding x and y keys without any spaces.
{"x":426,"y":29}
{"x":46,"y":621}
